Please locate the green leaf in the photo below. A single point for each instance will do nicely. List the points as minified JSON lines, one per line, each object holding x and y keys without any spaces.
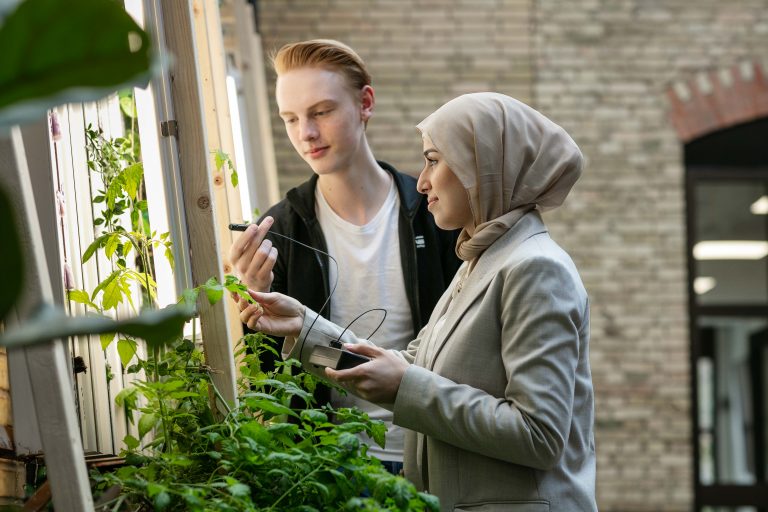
{"x":106,"y":339}
{"x":239,"y":489}
{"x":213,"y":290}
{"x":82,"y":297}
{"x":128,"y":106}
{"x":111,"y":244}
{"x":92,"y":248}
{"x":378,"y":432}
{"x":60,"y":52}
{"x":113,"y":294}
{"x":271,"y":407}
{"x":147,"y":423}
{"x":189,"y":297}
{"x":114,"y":191}
{"x":220,"y":158}
{"x":126,"y":349}
{"x":234,"y":178}
{"x":131,"y":442}
{"x":132,"y":176}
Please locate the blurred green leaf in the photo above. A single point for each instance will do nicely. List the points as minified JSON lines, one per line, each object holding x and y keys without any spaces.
{"x":58,"y":52}
{"x":10,"y":256}
{"x":157,"y":327}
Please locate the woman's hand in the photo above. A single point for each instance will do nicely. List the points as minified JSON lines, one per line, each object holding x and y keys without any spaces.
{"x":377,"y":380}
{"x":274,"y":313}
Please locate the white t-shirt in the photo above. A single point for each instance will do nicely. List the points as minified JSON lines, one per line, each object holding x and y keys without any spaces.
{"x":370,"y":275}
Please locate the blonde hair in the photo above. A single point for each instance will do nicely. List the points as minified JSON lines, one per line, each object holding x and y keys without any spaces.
{"x":325,"y":53}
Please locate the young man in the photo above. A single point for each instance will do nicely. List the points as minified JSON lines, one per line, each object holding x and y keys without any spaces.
{"x":363,"y":212}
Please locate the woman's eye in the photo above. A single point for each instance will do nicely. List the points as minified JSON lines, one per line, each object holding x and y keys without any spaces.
{"x":431,"y":162}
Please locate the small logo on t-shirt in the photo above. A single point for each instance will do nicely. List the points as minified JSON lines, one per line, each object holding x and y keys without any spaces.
{"x":420,"y":244}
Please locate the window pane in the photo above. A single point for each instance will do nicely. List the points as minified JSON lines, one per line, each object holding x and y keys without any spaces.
{"x":730,"y":245}
{"x":732,"y":388}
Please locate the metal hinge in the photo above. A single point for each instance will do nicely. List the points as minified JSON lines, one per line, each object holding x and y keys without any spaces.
{"x":169,"y":128}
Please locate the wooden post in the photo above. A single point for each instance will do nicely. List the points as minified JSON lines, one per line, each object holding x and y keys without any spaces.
{"x":196,"y":182}
{"x":218,"y":126}
{"x":46,"y":364}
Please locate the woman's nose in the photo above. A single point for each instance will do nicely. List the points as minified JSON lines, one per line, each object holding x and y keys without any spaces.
{"x":422,"y":184}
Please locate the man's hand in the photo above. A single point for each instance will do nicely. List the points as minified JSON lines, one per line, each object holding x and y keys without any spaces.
{"x":274,"y":313}
{"x":378,"y":380}
{"x":253,"y":257}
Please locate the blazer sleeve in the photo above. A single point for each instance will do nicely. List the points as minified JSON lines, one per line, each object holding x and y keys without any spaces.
{"x":318,"y":330}
{"x":542,"y":318}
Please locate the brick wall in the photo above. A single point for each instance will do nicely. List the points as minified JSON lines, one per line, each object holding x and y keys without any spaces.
{"x":604,"y":70}
{"x":419,"y":54}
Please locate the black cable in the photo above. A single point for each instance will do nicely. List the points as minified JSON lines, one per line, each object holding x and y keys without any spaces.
{"x":337,"y":342}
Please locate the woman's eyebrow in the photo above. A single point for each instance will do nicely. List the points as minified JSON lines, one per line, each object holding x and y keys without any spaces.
{"x":431,"y":150}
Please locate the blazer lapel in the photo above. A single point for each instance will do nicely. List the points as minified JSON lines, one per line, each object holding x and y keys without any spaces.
{"x":478,"y":280}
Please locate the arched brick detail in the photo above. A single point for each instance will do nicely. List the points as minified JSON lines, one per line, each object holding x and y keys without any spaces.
{"x":717,"y":99}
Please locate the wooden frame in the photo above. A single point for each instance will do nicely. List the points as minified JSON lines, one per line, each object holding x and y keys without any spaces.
{"x":47,"y":367}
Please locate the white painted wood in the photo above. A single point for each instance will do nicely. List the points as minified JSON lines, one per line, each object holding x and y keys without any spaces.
{"x":93,"y":270}
{"x":169,"y":171}
{"x":47,"y":365}
{"x":26,"y":432}
{"x":63,"y":160}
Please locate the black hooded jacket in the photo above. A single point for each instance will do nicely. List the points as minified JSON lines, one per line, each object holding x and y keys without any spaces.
{"x":427,"y":253}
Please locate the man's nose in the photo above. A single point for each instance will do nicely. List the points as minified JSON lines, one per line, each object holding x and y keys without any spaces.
{"x":308,"y":130}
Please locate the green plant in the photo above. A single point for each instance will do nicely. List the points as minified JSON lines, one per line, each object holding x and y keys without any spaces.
{"x":253,"y":460}
{"x":118,"y":163}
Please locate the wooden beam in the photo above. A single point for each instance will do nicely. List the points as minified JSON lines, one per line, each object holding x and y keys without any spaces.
{"x":218,"y":126}
{"x":47,"y":364}
{"x":197,"y":186}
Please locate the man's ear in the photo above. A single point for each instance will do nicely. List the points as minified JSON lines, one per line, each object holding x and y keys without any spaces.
{"x":367,"y":103}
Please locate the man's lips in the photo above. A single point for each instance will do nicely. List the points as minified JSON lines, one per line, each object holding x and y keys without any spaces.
{"x":316,"y":152}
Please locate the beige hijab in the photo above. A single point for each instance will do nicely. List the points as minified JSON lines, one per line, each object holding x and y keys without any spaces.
{"x":509,"y":157}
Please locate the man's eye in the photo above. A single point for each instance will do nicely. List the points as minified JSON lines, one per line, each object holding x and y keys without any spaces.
{"x":290,"y":120}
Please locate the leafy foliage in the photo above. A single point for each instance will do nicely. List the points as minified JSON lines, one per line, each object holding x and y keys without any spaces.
{"x":124,"y":223}
{"x":253,"y":460}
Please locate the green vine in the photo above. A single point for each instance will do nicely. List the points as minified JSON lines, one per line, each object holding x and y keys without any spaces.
{"x":123,"y":226}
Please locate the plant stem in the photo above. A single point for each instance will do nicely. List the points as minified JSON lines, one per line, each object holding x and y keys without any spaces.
{"x":286,"y":493}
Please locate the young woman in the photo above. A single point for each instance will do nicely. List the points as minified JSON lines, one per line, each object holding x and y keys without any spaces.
{"x":496,"y":389}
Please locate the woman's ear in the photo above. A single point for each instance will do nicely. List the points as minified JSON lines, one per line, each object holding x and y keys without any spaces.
{"x":367,"y":103}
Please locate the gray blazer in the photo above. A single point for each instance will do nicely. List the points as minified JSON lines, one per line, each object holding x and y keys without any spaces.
{"x":500,"y":403}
